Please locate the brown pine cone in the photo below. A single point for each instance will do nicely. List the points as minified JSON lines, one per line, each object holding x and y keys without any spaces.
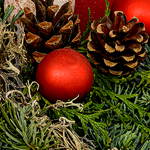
{"x":51,"y":28}
{"x":117,"y":48}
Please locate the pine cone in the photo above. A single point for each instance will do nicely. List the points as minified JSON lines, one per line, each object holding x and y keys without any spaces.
{"x":51,"y":28}
{"x":117,"y":48}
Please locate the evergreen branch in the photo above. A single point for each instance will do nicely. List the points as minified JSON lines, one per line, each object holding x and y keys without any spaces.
{"x":146,"y":145}
{"x":146,"y":129}
{"x":107,"y":11}
{"x":128,"y":103}
{"x":1,"y":7}
{"x":22,"y":134}
{"x":92,"y":119}
{"x":145,"y":76}
{"x":1,"y":12}
{"x":122,"y":91}
{"x":127,"y":137}
{"x":85,"y":33}
{"x":126,"y":140}
{"x":16,"y":17}
{"x":7,"y":13}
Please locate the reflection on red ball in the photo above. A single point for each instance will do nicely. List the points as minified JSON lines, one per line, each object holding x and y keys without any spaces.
{"x":133,"y":8}
{"x":63,"y":74}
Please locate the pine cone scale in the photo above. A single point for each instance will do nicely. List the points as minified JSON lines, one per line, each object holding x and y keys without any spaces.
{"x":102,"y":29}
{"x":92,"y":47}
{"x":99,"y":41}
{"x":64,"y":13}
{"x":135,"y":47}
{"x":132,"y":64}
{"x":119,"y":47}
{"x":54,"y":42}
{"x":48,"y":3}
{"x":51,"y":10}
{"x":116,"y":72}
{"x":128,"y":58}
{"x":119,"y":21}
{"x":67,"y":27}
{"x":109,"y":63}
{"x":45,"y":28}
{"x":145,"y":38}
{"x":94,"y":24}
{"x":33,"y":41}
{"x":137,"y":29}
{"x":30,"y":16}
{"x":29,"y":26}
{"x":131,"y":23}
{"x":41,"y":10}
{"x":108,"y":48}
{"x":76,"y":41}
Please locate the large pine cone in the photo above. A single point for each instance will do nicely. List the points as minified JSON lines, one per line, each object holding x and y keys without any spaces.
{"x":51,"y":28}
{"x":117,"y":48}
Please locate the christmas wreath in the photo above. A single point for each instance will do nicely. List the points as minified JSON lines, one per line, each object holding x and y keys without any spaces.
{"x":65,"y":88}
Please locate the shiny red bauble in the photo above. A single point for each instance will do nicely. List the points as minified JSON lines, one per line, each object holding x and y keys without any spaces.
{"x":64,"y":74}
{"x":97,"y":8}
{"x":134,"y":8}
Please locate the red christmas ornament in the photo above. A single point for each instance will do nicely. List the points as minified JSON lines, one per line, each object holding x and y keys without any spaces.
{"x":63,"y":74}
{"x":134,"y":8}
{"x":97,"y":8}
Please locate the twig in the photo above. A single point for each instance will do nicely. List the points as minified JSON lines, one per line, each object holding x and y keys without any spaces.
{"x":60,"y":103}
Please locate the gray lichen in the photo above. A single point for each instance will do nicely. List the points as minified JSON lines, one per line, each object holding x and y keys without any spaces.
{"x":12,"y":54}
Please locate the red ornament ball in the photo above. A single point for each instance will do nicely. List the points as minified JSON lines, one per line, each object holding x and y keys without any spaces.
{"x":63,"y":74}
{"x":134,"y":8}
{"x":97,"y":8}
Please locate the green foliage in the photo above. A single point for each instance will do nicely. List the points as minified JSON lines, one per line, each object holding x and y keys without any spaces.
{"x":87,"y":120}
{"x":1,"y":7}
{"x":87,"y":30}
{"x":84,"y":38}
{"x":127,"y":138}
{"x":15,"y":17}
{"x":20,"y":132}
{"x":28,"y":71}
{"x":107,"y":11}
{"x":7,"y":13}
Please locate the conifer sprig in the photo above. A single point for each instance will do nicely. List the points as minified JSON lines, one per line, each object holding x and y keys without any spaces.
{"x":20,"y":133}
{"x":8,"y":12}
